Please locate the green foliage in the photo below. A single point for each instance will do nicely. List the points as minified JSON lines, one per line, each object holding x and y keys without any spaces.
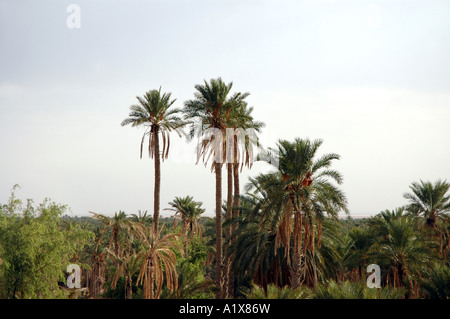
{"x":355,"y":290}
{"x":192,"y":283}
{"x":275,"y":292}
{"x":36,"y":248}
{"x":437,"y":282}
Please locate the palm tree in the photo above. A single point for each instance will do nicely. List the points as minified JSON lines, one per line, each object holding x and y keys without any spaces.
{"x":300,"y":191}
{"x":209,"y":112}
{"x":95,"y":277}
{"x":191,"y":284}
{"x":400,"y":248}
{"x":437,"y":285}
{"x":159,"y":262}
{"x":128,"y":263}
{"x":253,"y":245}
{"x":155,"y":113}
{"x":141,"y":217}
{"x":240,"y":138}
{"x":115,"y":224}
{"x":337,"y":251}
{"x":429,"y":200}
{"x":189,"y":212}
{"x":241,"y":121}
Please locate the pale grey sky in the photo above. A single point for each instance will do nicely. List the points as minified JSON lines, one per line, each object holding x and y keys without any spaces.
{"x":371,"y":78}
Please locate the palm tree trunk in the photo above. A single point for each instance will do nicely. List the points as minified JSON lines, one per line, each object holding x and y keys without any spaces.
{"x":228,"y":229}
{"x":236,"y":186}
{"x":297,"y":256}
{"x":235,"y":212}
{"x":219,"y":254}
{"x":129,"y":289}
{"x":157,"y":189}
{"x":116,"y":241}
{"x":149,"y":283}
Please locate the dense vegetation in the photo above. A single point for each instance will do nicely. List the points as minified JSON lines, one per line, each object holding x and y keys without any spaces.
{"x":277,"y":237}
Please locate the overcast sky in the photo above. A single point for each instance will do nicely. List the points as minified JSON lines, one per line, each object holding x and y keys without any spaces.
{"x":370,"y":78}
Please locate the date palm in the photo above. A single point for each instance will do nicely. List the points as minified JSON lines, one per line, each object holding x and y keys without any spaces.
{"x":437,"y":283}
{"x":337,"y":251}
{"x":128,"y":263}
{"x":115,"y":224}
{"x":158,"y":262}
{"x":189,"y":211}
{"x":253,"y":245}
{"x":240,"y":140}
{"x":156,"y":114}
{"x":141,"y":217}
{"x":429,"y":200}
{"x":208,"y":113}
{"x":301,"y":194}
{"x":400,"y":248}
{"x":241,"y":121}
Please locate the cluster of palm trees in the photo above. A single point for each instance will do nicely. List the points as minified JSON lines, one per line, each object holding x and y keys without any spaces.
{"x":411,"y":251}
{"x":283,"y":232}
{"x":214,"y":108}
{"x":134,"y":247}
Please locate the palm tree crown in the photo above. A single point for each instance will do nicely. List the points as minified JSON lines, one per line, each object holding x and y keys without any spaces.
{"x":429,"y":200}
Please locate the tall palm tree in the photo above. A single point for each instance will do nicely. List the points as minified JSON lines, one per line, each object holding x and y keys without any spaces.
{"x":159,"y":262}
{"x":156,"y":114}
{"x":209,"y":111}
{"x":240,"y":138}
{"x":300,"y":191}
{"x":241,"y":121}
{"x":429,"y":200}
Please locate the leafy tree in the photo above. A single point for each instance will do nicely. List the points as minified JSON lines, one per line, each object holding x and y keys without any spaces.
{"x":36,"y":248}
{"x":193,"y":282}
